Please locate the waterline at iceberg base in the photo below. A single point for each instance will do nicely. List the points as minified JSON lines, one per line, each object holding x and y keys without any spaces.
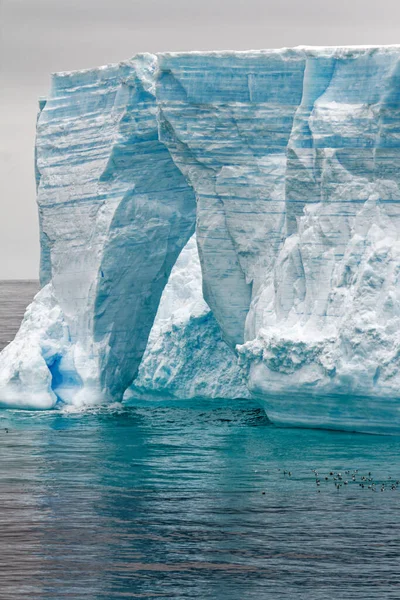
{"x":285,"y":164}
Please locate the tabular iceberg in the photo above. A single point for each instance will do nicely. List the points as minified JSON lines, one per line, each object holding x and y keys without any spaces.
{"x":286,"y":162}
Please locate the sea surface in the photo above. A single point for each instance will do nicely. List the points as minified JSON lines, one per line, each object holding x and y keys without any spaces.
{"x":14,"y":298}
{"x":201,"y":500}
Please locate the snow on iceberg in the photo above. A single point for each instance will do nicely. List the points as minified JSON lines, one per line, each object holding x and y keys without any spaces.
{"x":286,"y":162}
{"x":29,"y":363}
{"x":186,"y":356}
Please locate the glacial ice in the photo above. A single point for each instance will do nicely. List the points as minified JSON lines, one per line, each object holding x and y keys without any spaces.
{"x":186,"y":356}
{"x":28,"y":364}
{"x":286,"y":162}
{"x":115,"y":212}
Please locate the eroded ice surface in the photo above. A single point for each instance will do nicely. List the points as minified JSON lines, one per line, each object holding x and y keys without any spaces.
{"x":186,"y":356}
{"x":115,"y":212}
{"x":288,"y":160}
{"x":29,"y":362}
{"x":294,"y":159}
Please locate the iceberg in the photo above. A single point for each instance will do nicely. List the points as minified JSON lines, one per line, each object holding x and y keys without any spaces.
{"x":286,"y":164}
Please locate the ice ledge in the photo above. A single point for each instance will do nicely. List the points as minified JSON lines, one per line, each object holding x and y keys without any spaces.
{"x":314,"y":51}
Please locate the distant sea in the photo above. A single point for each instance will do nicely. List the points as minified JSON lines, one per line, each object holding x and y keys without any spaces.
{"x":14,"y":298}
{"x":191,"y":499}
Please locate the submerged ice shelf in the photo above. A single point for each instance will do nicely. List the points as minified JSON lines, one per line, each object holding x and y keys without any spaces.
{"x":286,"y":163}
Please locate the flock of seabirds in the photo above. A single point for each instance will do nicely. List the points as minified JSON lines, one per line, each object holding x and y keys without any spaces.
{"x":340,"y":480}
{"x":350,"y":478}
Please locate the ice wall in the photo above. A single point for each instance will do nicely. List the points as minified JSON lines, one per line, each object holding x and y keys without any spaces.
{"x":294,"y":159}
{"x":288,"y":161}
{"x":115,"y":212}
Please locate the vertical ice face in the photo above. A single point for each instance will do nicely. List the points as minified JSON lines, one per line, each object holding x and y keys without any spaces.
{"x":329,"y":321}
{"x":294,"y":159}
{"x":115,"y":212}
{"x":227,"y":119}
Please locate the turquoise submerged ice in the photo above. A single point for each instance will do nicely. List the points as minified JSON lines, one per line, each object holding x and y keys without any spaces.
{"x":286,"y":163}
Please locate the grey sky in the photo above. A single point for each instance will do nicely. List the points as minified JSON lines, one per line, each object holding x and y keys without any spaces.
{"x":38,"y":37}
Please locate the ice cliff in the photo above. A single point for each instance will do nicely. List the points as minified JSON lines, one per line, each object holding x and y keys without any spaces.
{"x":286,"y":162}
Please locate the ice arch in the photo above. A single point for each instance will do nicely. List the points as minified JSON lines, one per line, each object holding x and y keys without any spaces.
{"x":115,"y":212}
{"x":128,"y":156}
{"x":288,"y":162}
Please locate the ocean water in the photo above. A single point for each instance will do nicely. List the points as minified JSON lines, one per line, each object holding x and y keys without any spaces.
{"x":14,"y":298}
{"x":200,"y":500}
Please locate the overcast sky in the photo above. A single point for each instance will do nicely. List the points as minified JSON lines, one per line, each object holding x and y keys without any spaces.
{"x":38,"y":37}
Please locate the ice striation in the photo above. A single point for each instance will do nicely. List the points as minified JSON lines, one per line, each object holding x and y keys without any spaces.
{"x":286,"y":162}
{"x":115,"y":212}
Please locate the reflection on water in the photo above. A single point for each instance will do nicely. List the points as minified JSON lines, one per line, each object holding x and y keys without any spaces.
{"x":168,"y":502}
